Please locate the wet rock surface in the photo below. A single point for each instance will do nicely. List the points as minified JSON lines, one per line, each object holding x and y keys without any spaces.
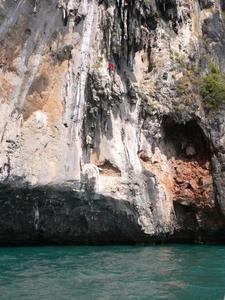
{"x":67,"y":215}
{"x":61,"y":215}
{"x":104,"y":95}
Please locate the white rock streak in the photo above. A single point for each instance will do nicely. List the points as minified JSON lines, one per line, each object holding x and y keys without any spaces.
{"x":85,"y":59}
{"x":78,"y":106}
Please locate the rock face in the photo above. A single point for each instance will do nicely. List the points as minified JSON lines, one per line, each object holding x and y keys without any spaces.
{"x":104,"y":136}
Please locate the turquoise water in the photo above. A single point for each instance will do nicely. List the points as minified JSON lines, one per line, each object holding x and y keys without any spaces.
{"x":122,"y":272}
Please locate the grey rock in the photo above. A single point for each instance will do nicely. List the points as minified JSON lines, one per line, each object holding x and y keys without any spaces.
{"x":89,"y":90}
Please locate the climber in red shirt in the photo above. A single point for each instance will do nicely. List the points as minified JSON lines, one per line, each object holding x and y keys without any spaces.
{"x":111,"y":67}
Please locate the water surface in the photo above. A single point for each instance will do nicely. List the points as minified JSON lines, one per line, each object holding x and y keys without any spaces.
{"x":180,"y":272}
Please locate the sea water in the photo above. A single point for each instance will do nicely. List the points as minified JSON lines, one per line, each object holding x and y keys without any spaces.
{"x":180,"y":272}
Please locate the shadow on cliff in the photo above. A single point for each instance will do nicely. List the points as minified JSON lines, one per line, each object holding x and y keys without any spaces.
{"x":65,"y":215}
{"x":61,"y":215}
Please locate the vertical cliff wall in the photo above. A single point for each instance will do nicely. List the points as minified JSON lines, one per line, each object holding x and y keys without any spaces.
{"x":104,"y":134}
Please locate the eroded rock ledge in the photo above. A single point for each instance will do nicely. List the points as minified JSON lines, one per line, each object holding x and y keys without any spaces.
{"x":66,"y":215}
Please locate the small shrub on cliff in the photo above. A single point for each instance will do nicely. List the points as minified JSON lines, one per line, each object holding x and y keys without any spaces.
{"x":212,"y":87}
{"x":188,"y":83}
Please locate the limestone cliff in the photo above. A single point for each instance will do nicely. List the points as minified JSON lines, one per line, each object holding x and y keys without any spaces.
{"x":104,"y":135}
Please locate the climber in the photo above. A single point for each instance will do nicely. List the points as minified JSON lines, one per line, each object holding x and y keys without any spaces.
{"x":111,"y":67}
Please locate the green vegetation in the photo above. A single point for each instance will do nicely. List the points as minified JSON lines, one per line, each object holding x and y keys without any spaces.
{"x":212,"y":88}
{"x":179,"y":59}
{"x":188,"y":83}
{"x":182,"y":87}
{"x":174,"y":55}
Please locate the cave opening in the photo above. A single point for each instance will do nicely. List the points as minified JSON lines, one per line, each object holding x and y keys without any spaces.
{"x":188,"y":152}
{"x":186,"y":141}
{"x":167,"y":9}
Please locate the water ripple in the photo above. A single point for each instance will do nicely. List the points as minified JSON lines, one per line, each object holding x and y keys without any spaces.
{"x":122,"y":272}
